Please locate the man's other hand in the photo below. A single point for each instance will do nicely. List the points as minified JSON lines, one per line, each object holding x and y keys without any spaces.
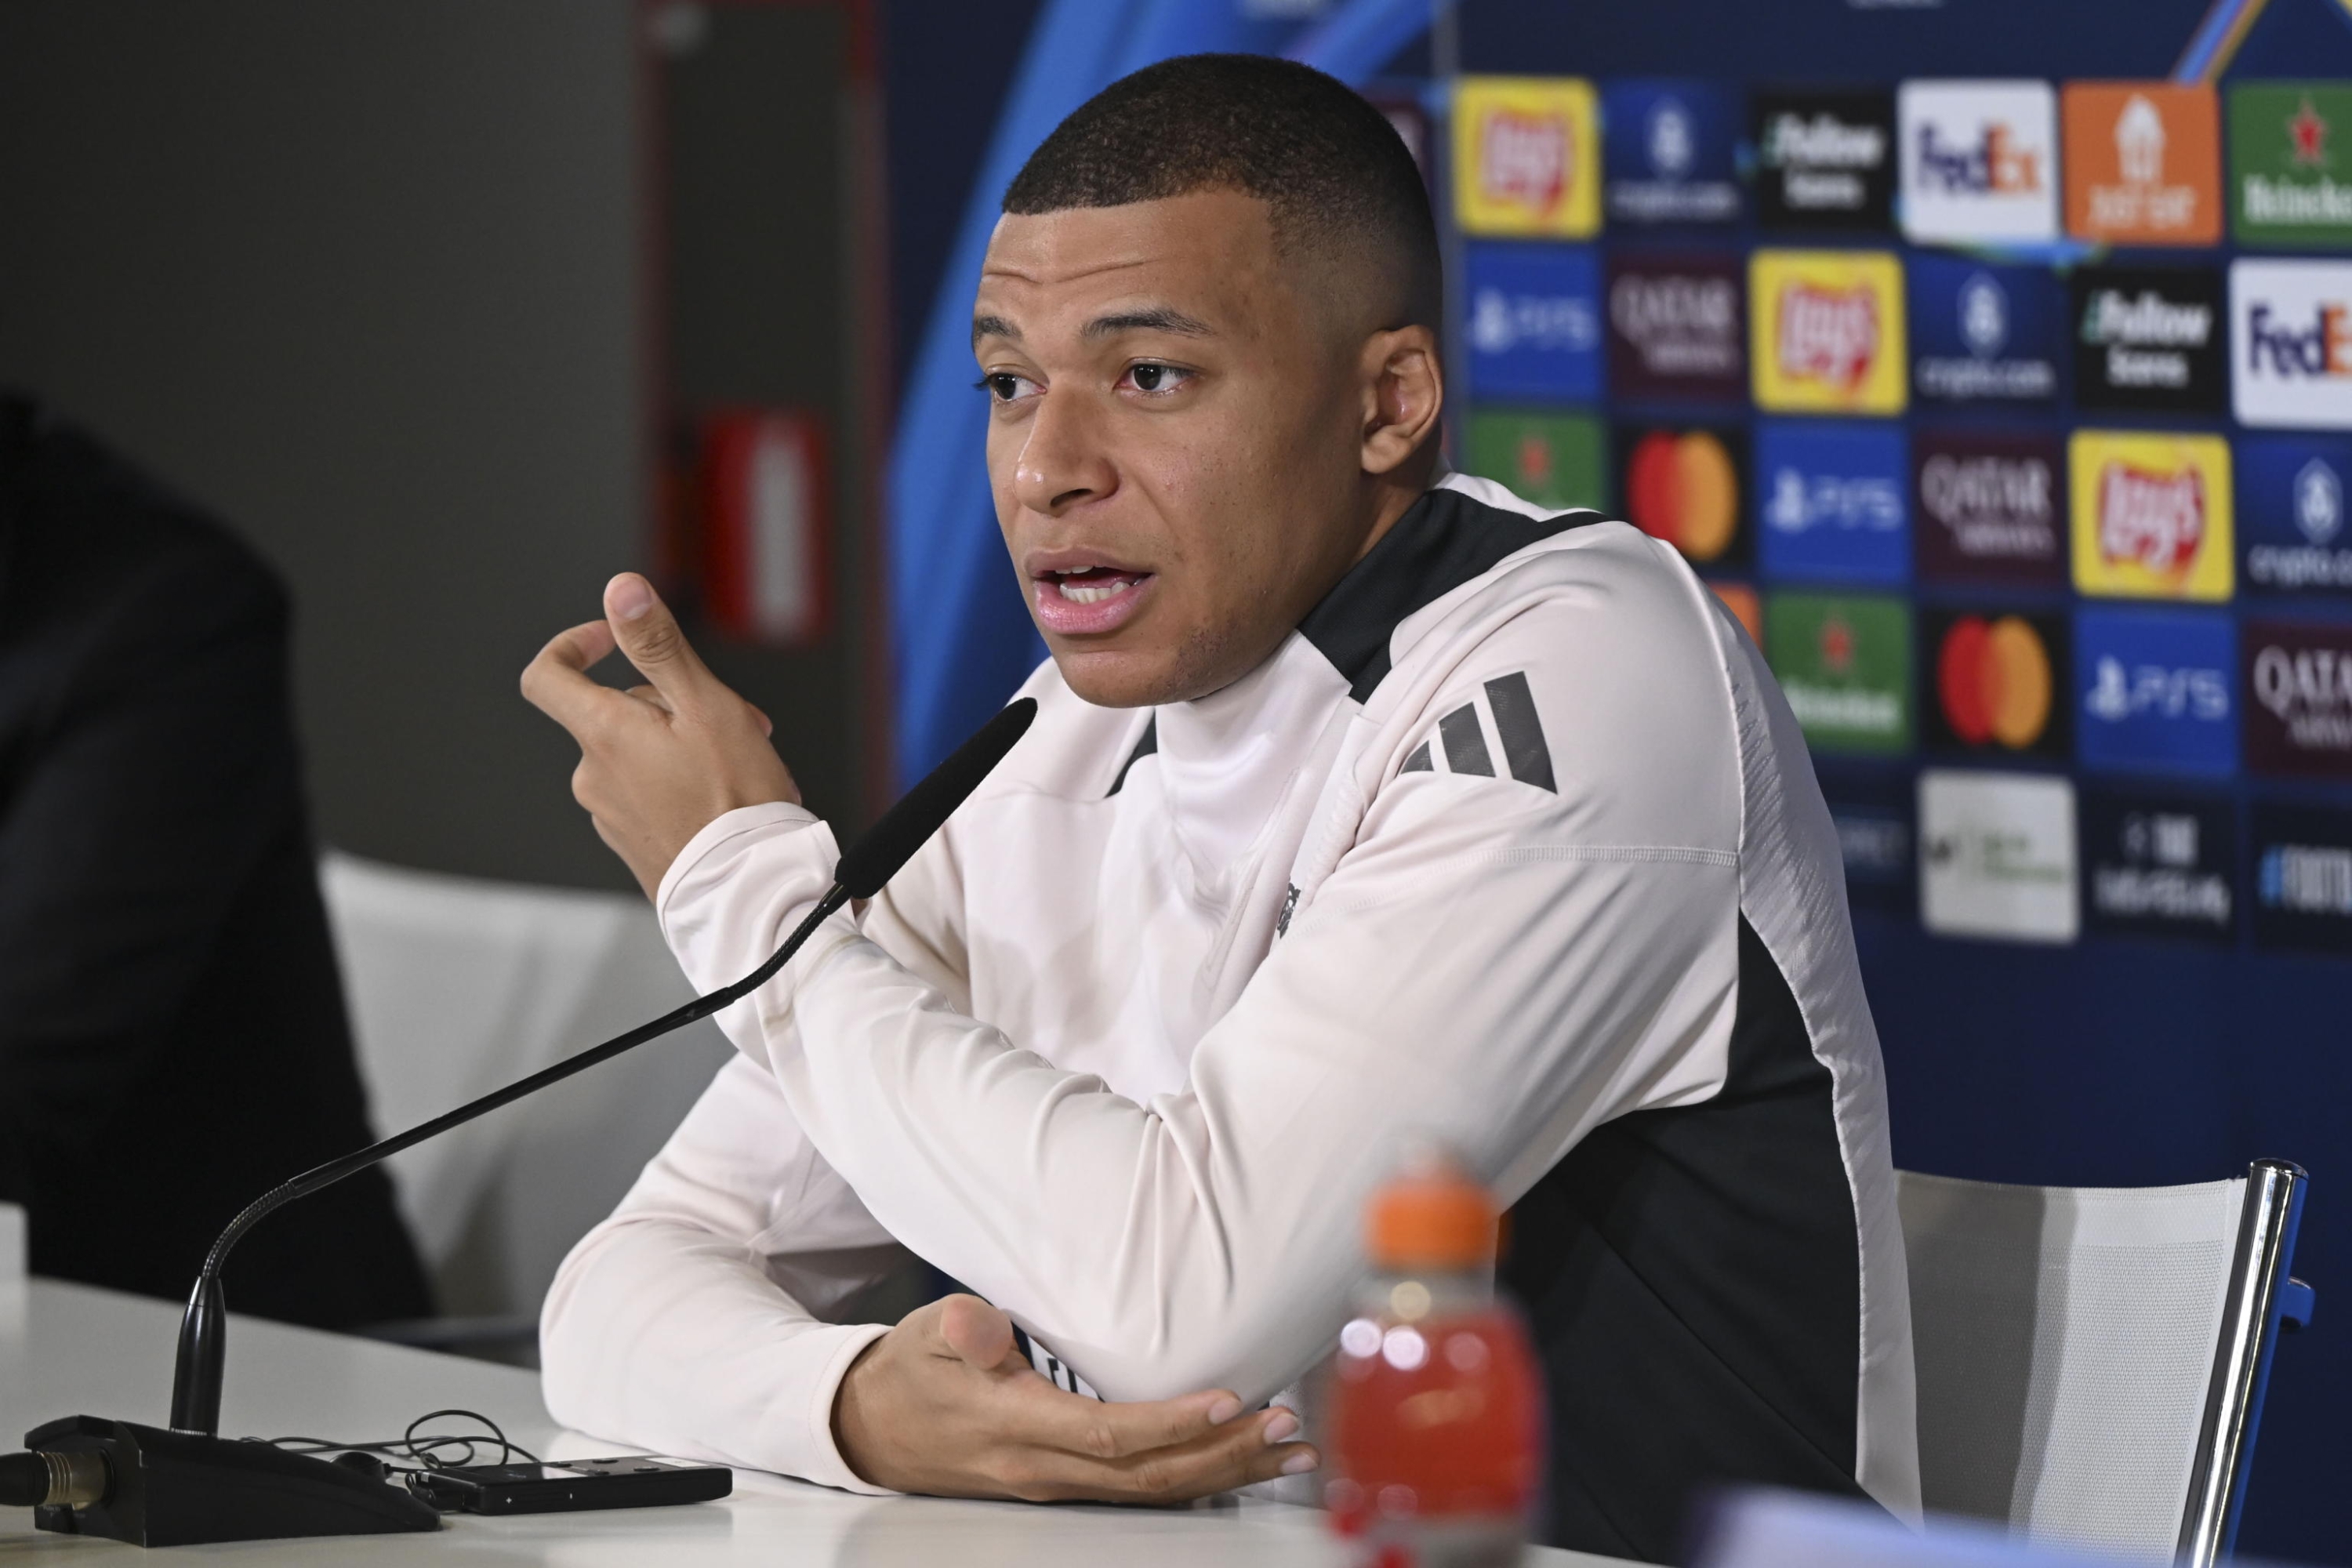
{"x":944,"y":1403}
{"x":660,"y":761}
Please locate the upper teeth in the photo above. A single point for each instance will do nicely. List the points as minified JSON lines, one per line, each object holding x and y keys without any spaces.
{"x":1091,"y":593}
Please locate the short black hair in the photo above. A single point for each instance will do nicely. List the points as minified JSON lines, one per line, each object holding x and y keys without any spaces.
{"x":1332,"y":169}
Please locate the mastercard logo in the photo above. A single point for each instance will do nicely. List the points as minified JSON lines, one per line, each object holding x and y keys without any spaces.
{"x":1683,"y":488}
{"x":1995,"y":681}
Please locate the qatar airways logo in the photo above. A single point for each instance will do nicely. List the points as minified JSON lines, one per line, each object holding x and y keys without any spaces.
{"x":2299,"y":680}
{"x":2151,"y":520}
{"x":1523,"y":158}
{"x":1828,"y":334}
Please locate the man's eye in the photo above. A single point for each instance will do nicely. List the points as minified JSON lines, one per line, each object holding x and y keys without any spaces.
{"x":1157,"y":377}
{"x":1003,"y":386}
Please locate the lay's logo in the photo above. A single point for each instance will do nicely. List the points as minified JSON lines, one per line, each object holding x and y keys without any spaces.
{"x":2155,"y":521}
{"x":1523,"y":160}
{"x":2152,"y":515}
{"x":1527,"y":157}
{"x":1828,"y":331}
{"x":1828,"y":335}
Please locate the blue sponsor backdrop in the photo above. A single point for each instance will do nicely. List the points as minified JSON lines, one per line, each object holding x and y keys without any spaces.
{"x":1833,"y":500}
{"x":2293,"y":532}
{"x":1668,"y":151}
{"x":1983,"y":335}
{"x":2123,"y":1060}
{"x":1534,"y":326}
{"x":2156,"y":691}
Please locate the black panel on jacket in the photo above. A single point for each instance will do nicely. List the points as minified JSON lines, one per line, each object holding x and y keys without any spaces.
{"x":1693,"y":1280}
{"x":173,"y":1040}
{"x":1441,"y":541}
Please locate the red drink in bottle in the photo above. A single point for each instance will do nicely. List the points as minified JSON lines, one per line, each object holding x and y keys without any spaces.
{"x":1435,"y":1436}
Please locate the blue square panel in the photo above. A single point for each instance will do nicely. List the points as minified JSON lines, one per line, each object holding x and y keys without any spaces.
{"x":2156,"y":691}
{"x":1833,"y":501}
{"x":1535,"y":322}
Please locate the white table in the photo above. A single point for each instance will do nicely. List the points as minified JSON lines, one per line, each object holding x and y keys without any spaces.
{"x":68,"y":1350}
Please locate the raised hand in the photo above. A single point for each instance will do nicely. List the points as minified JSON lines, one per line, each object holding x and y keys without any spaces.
{"x":660,"y":761}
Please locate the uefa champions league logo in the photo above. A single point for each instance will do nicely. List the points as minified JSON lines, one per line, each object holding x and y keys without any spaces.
{"x":1671,"y":140}
{"x":1984,"y":315}
{"x":2318,"y":501}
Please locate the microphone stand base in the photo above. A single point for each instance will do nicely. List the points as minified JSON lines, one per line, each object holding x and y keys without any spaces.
{"x":181,"y":1489}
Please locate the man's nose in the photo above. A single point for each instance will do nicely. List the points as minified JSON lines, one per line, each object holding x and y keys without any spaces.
{"x":1062,"y":460}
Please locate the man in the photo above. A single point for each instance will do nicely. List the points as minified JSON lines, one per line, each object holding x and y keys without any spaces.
{"x":1358,"y":800}
{"x":172,"y":1033}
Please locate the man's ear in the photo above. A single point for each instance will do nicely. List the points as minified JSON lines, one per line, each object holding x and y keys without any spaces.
{"x":1404,"y":391}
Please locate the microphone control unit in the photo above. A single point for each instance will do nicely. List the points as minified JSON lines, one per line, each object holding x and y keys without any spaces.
{"x":152,"y":1487}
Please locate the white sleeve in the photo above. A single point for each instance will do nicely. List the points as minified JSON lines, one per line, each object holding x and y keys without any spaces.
{"x":1499,"y":964}
{"x":691,"y":1322}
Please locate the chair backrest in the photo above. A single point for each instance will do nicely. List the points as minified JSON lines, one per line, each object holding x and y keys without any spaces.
{"x":458,"y":984}
{"x":2090,"y":1359}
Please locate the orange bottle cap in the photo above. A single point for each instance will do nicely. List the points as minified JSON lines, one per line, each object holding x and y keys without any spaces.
{"x":1431,"y":1216}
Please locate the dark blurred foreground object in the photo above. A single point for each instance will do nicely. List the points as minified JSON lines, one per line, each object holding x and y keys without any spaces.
{"x":171,"y":1030}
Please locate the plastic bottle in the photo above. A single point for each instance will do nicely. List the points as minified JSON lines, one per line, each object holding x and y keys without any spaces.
{"x":1435,"y":1400}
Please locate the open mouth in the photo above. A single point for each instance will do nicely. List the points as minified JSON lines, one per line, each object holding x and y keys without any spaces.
{"x":1080,"y":599}
{"x":1095,"y":585}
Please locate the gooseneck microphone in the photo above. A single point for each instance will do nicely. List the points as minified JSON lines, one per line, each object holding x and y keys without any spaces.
{"x":191,"y":1486}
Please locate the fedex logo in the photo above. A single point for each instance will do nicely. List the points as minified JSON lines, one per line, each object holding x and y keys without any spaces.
{"x":1828,"y":335}
{"x":2292,"y":322}
{"x":1979,"y":160}
{"x":2319,"y":345}
{"x":1994,"y":162}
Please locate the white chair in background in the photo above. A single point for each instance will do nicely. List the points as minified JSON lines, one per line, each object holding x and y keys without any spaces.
{"x":2092,"y":1361}
{"x":457,"y":986}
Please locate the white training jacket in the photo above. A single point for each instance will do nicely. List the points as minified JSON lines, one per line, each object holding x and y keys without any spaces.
{"x":1513,"y":841}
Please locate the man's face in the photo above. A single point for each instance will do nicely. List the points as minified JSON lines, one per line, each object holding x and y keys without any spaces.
{"x":1174,"y":441}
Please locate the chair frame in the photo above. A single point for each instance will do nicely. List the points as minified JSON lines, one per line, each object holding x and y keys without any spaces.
{"x":2262,"y":1299}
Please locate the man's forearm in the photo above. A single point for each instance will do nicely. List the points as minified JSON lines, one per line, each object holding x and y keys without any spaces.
{"x":676,"y":1341}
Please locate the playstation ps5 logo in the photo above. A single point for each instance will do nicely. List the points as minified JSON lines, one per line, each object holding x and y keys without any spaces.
{"x":1984,"y":316}
{"x":1500,"y":323}
{"x":2318,"y":501}
{"x":1672,"y":141}
{"x":2119,"y":694}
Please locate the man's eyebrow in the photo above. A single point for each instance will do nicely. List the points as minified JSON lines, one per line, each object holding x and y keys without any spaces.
{"x":994,"y":327}
{"x":1156,"y":318}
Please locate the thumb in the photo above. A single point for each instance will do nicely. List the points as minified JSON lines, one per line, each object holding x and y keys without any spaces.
{"x":648,"y":634}
{"x":978,"y":1334}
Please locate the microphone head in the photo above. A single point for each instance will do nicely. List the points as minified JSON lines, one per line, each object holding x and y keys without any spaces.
{"x":875,"y":859}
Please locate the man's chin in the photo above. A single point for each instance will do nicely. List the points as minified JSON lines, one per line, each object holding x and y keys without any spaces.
{"x":1119,"y":678}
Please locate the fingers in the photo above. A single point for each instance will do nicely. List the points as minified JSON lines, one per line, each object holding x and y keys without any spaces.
{"x":556,"y":683}
{"x":648,"y":634}
{"x":1116,"y":1431}
{"x":1255,"y":1447}
{"x":974,"y":1332}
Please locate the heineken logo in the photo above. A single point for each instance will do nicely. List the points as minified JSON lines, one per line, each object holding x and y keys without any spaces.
{"x":2284,"y":171}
